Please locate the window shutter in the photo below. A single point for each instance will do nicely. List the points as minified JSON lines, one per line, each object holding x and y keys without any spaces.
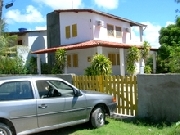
{"x":118,"y":59}
{"x":110,"y":30}
{"x":113,"y":59}
{"x":118,"y":32}
{"x":74,"y":30}
{"x":75,"y":60}
{"x":68,"y":34}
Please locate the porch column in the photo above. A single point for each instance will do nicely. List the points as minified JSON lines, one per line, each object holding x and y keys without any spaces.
{"x":99,"y":50}
{"x":65,"y":68}
{"x":141,"y":33}
{"x":154,"y":61}
{"x":38,"y":64}
{"x":122,"y":67}
{"x":142,"y":65}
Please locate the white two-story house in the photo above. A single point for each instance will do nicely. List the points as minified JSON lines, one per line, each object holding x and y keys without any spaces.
{"x":86,"y":32}
{"x":28,"y":41}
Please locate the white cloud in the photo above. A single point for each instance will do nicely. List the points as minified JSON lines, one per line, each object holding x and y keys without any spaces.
{"x":107,"y":4}
{"x":151,"y":34}
{"x":31,"y":15}
{"x":61,"y":4}
{"x":168,"y":23}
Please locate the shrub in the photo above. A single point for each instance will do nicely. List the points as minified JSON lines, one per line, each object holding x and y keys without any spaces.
{"x":100,"y":65}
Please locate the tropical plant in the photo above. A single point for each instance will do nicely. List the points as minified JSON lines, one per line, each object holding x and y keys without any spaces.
{"x":60,"y":61}
{"x":147,"y":69}
{"x":11,"y":63}
{"x":100,"y":65}
{"x":133,"y":56}
{"x":32,"y":65}
{"x":145,"y":50}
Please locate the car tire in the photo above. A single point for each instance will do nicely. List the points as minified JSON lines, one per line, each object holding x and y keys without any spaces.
{"x":4,"y":130}
{"x":97,"y":117}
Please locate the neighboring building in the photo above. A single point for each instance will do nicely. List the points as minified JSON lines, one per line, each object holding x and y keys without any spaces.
{"x":29,"y":41}
{"x":85,"y":32}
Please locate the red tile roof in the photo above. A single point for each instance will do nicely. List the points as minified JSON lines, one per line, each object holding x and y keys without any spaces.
{"x":86,"y":44}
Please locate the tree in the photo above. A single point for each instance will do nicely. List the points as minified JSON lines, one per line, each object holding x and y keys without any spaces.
{"x":60,"y":61}
{"x":144,"y":55}
{"x":174,"y":60}
{"x":177,"y":1}
{"x":100,"y":65}
{"x":145,"y":50}
{"x":169,"y":39}
{"x":133,"y":56}
{"x":11,"y":63}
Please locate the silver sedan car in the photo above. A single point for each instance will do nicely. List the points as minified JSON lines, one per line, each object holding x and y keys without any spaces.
{"x":31,"y":104}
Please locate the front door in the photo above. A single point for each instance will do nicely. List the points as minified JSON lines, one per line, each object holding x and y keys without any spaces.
{"x":75,"y":106}
{"x":50,"y":106}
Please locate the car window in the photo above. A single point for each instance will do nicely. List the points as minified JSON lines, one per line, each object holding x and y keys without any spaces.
{"x":16,"y":90}
{"x":53,"y":88}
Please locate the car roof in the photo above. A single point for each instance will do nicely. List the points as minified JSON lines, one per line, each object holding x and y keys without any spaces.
{"x":27,"y":77}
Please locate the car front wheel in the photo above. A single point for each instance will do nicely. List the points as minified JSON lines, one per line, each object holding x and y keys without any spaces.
{"x":97,"y":117}
{"x":4,"y":130}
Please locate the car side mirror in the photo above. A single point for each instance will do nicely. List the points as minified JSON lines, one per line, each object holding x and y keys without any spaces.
{"x":77,"y":92}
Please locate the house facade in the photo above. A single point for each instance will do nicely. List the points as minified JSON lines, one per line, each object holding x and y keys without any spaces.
{"x":86,"y":32}
{"x":29,"y":41}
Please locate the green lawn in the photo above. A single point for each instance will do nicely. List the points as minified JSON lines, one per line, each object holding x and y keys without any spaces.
{"x":117,"y":127}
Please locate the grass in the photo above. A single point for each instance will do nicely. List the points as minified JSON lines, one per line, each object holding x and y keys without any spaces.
{"x":119,"y":127}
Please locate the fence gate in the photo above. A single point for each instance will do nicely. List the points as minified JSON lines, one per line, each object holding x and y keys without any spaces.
{"x":123,"y":88}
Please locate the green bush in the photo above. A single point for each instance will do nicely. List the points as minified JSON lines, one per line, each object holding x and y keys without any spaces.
{"x":100,"y":65}
{"x":60,"y":61}
{"x":147,"y":69}
{"x":13,"y":65}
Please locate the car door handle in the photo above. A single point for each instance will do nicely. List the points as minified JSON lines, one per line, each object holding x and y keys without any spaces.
{"x":42,"y":106}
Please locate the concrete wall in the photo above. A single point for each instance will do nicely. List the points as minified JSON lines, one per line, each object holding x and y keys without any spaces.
{"x":159,"y":96}
{"x":53,"y":33}
{"x":37,"y":40}
{"x":32,"y":41}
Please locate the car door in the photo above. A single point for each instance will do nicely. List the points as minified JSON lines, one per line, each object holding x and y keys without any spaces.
{"x":75,"y":106}
{"x":49,"y":107}
{"x":18,"y":103}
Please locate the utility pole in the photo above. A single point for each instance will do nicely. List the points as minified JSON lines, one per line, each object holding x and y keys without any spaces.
{"x":1,"y":8}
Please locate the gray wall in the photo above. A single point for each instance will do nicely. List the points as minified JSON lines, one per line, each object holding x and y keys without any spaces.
{"x":53,"y":33}
{"x":159,"y":96}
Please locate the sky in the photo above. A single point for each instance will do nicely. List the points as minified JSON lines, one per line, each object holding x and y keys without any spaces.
{"x":31,"y":14}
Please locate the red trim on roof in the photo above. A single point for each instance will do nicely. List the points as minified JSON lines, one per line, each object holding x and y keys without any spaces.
{"x":86,"y":44}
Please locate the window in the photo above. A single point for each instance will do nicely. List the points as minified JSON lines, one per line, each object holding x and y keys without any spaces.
{"x":74,"y":30}
{"x":110,"y":30}
{"x":68,"y":60}
{"x":72,"y":60}
{"x":16,"y":90}
{"x":68,"y":32}
{"x":118,"y":32}
{"x":19,"y":42}
{"x":75,"y":60}
{"x":53,"y":88}
{"x":114,"y":58}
